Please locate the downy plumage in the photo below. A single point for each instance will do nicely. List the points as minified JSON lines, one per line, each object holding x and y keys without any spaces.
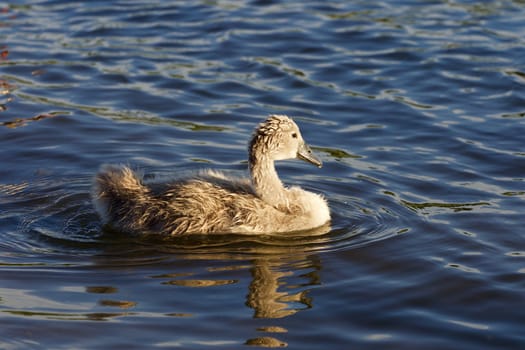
{"x":211,"y":202}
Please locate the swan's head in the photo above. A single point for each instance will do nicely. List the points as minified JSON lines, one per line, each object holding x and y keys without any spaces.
{"x":278,"y":137}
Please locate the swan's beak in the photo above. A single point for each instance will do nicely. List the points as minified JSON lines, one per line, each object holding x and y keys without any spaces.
{"x":305,"y":153}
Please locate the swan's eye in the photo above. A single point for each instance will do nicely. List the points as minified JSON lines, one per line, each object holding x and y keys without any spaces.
{"x":294,"y":135}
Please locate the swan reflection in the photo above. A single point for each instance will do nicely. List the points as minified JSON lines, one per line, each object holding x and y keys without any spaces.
{"x":271,"y":295}
{"x":281,"y":271}
{"x":267,"y":277}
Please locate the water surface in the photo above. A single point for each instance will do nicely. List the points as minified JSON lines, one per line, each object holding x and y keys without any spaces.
{"x":416,"y":107}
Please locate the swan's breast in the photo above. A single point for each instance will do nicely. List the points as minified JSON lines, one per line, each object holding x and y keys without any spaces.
{"x":313,"y":206}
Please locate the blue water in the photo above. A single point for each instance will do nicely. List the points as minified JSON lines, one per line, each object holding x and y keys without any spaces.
{"x":417,"y":109}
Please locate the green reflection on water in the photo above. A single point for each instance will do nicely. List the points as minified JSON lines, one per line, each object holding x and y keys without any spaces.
{"x":141,"y":117}
{"x":95,"y":316}
{"x":336,"y":153}
{"x":454,"y":206}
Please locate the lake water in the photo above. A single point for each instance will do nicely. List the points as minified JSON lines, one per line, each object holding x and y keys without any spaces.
{"x":417,"y":109}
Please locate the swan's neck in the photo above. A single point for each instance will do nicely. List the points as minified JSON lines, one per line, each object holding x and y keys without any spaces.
{"x":266,"y":182}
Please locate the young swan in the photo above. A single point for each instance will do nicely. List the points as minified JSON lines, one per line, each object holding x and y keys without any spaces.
{"x":211,"y":202}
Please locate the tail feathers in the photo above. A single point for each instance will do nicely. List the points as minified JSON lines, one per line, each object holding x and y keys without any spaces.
{"x":116,"y":188}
